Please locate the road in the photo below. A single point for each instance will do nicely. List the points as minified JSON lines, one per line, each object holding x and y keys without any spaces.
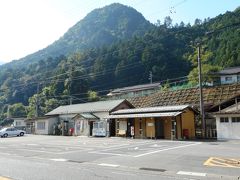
{"x":34,"y":157}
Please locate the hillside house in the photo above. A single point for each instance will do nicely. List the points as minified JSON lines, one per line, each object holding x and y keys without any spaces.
{"x":134,"y":91}
{"x":19,"y":123}
{"x":229,"y":75}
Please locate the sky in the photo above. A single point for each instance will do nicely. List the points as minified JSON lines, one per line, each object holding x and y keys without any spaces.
{"x":27,"y":26}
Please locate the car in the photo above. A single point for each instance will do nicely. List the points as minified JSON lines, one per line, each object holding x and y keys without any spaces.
{"x":11,"y":131}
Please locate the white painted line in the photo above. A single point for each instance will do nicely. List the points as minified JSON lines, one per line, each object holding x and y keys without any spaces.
{"x":114,"y":154}
{"x":191,"y":173}
{"x":108,"y":165}
{"x":153,"y":152}
{"x":59,"y":160}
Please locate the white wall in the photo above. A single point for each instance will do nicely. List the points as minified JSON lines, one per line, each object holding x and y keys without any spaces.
{"x":41,"y":131}
{"x":228,"y":130}
{"x":49,"y":122}
{"x":19,"y":123}
{"x":234,"y":79}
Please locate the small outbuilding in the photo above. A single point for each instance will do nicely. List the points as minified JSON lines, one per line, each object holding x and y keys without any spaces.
{"x":228,"y":122}
{"x":45,"y":125}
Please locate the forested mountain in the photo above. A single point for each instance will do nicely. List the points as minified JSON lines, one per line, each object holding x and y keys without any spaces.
{"x":114,"y":47}
{"x":100,"y":27}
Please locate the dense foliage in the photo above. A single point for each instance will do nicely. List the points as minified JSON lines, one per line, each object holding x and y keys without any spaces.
{"x":115,"y":47}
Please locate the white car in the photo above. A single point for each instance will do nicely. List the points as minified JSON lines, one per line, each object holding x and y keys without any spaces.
{"x":11,"y":131}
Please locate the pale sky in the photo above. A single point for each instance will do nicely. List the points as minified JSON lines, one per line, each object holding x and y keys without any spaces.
{"x":30,"y":25}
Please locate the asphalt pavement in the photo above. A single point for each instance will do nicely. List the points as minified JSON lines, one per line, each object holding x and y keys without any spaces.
{"x":35,"y":157}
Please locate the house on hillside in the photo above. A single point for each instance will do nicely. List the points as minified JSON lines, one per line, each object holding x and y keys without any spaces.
{"x":89,"y":119}
{"x":134,"y":91}
{"x":166,"y":122}
{"x":229,"y":75}
{"x":19,"y":123}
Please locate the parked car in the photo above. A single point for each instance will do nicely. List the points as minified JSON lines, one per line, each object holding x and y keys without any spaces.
{"x":11,"y":131}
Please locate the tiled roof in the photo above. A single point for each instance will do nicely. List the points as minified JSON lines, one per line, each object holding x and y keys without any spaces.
{"x":211,"y":96}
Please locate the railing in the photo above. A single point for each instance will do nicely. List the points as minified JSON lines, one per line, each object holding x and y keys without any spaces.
{"x":210,"y":133}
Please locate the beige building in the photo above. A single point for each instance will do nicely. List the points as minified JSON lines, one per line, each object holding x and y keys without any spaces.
{"x":166,"y":122}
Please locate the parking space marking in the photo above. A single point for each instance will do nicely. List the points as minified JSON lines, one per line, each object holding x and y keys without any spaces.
{"x":108,"y":165}
{"x":191,"y":173}
{"x":4,"y":178}
{"x":59,"y":160}
{"x":166,"y":149}
{"x":223,"y":162}
{"x":113,"y":154}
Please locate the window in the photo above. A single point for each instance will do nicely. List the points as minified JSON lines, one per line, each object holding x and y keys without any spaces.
{"x":228,"y":79}
{"x":18,"y":123}
{"x":235,"y":119}
{"x":238,"y":78}
{"x":118,"y":124}
{"x":40,"y":125}
{"x":224,"y":120}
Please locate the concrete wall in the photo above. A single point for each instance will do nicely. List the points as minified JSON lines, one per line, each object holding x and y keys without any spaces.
{"x":228,"y":130}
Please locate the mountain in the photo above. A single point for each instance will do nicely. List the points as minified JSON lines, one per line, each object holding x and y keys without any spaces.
{"x":100,"y":27}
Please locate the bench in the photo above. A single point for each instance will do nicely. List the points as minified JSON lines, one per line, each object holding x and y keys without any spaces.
{"x":121,"y":132}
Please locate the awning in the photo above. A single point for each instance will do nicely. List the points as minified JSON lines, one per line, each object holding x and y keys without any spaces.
{"x":144,"y":115}
{"x":88,"y":116}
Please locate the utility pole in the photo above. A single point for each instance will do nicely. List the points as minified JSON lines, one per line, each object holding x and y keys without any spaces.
{"x":150,"y":77}
{"x":37,"y":102}
{"x":8,"y":111}
{"x":70,"y":84}
{"x":201,"y":92}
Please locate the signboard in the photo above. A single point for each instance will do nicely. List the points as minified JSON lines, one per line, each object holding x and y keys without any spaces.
{"x":150,"y":124}
{"x":132,"y":130}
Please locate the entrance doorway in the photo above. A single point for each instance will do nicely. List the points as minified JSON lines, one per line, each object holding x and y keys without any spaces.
{"x":130,"y":123}
{"x":112,"y":127}
{"x":90,"y":127}
{"x":159,"y":128}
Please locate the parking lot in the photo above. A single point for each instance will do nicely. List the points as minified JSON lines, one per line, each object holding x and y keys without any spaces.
{"x":117,"y":157}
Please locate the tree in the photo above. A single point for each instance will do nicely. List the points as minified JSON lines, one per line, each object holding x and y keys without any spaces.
{"x":18,"y":110}
{"x":168,"y":22}
{"x":208,"y":70}
{"x":93,"y":96}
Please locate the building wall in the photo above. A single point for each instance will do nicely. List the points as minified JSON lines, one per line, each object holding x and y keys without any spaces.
{"x":167,"y":127}
{"x":82,"y":127}
{"x":228,"y":130}
{"x":188,"y":122}
{"x":19,"y":123}
{"x":150,"y":127}
{"x":234,"y":79}
{"x":140,"y":133}
{"x":179,"y":127}
{"x":41,"y":131}
{"x":49,"y":123}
